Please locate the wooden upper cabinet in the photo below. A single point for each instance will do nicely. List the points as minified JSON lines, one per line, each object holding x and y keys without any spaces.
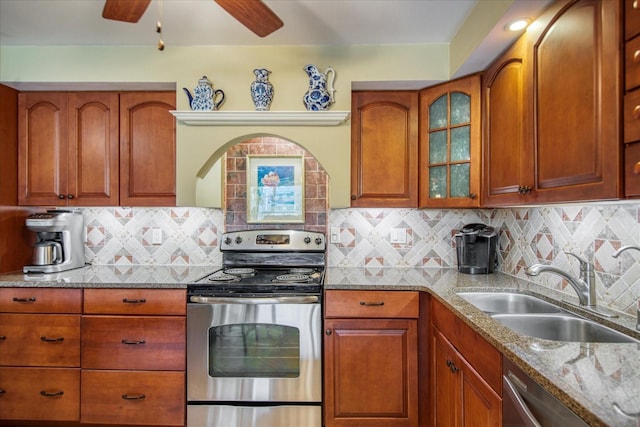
{"x":384,"y":149}
{"x":147,"y":149}
{"x":576,"y":81}
{"x":450,"y":125}
{"x":68,"y":149}
{"x":507,"y":151}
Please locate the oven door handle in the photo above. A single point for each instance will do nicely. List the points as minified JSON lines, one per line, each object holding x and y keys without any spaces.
{"x":306,"y":299}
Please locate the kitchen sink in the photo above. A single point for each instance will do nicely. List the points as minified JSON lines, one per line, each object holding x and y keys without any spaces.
{"x":508,"y":302}
{"x":562,"y":327}
{"x":534,"y":317}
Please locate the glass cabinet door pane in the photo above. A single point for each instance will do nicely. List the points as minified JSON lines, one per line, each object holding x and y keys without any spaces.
{"x":460,"y":180}
{"x":438,"y":147}
{"x":460,"y":143}
{"x":460,"y":108}
{"x":438,"y":182}
{"x":438,"y":113}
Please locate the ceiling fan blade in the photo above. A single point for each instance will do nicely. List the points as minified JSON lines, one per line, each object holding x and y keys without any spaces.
{"x":253,"y":14}
{"x":124,"y":10}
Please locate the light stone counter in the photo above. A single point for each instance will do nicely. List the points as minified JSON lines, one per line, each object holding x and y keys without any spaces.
{"x":588,"y":377}
{"x":112,"y":276}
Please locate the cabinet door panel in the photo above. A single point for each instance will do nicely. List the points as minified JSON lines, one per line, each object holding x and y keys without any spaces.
{"x":40,"y":394}
{"x":632,"y":170}
{"x":481,"y":406}
{"x":40,"y":340}
{"x":445,"y":385}
{"x":577,"y":89}
{"x":93,"y":148}
{"x":42,"y":148}
{"x":147,"y":149}
{"x":379,"y":389}
{"x":384,"y":149}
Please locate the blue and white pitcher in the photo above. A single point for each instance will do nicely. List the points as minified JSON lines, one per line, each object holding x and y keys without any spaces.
{"x":320,"y":94}
{"x":205,"y":98}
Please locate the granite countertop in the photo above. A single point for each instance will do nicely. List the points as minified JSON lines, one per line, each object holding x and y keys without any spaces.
{"x":588,"y":377}
{"x":112,"y":276}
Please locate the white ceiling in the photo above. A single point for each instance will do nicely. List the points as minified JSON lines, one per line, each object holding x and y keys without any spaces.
{"x":203,"y":22}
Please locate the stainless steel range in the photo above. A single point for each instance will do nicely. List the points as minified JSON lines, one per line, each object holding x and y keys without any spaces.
{"x":254,"y":353}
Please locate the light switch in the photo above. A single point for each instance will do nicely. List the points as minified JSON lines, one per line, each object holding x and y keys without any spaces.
{"x":398,"y":235}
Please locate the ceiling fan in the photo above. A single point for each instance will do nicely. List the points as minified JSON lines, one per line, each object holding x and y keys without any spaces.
{"x":253,"y":14}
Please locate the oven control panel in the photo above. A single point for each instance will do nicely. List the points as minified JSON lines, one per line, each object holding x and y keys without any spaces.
{"x":273,"y":240}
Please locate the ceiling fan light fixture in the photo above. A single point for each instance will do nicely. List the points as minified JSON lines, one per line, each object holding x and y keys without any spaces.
{"x":518,"y":24}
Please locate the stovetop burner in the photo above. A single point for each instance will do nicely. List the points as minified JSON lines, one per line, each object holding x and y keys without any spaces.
{"x":292,"y":278}
{"x":240,"y":272}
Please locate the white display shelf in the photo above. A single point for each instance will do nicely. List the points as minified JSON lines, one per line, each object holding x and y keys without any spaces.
{"x":261,"y":118}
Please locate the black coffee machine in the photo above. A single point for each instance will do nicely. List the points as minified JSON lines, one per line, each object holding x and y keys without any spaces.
{"x":476,"y":247}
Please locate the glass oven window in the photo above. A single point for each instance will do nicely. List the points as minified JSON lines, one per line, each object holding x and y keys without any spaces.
{"x":254,"y":350}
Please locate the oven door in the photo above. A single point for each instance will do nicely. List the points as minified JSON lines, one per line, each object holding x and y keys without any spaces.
{"x":254,"y":350}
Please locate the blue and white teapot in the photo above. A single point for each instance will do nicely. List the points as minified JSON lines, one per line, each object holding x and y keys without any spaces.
{"x":320,"y":94}
{"x":205,"y":98}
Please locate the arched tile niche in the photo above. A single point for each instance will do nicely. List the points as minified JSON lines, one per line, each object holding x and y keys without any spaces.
{"x":230,"y":164}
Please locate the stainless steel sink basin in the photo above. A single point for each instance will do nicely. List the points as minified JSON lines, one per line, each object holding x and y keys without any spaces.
{"x":509,"y":302}
{"x":562,"y":327}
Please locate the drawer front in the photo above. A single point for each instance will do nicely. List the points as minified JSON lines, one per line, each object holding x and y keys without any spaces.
{"x":632,"y":170}
{"x":632,"y":64}
{"x":145,"y":343}
{"x":631,"y":18}
{"x":40,"y":300}
{"x":129,"y":398}
{"x":482,"y":356}
{"x":632,"y":116}
{"x":40,"y":394}
{"x":40,"y":340}
{"x":372,"y":304}
{"x":167,"y":302}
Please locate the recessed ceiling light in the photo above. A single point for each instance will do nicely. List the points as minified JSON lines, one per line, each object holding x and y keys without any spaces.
{"x":518,"y":24}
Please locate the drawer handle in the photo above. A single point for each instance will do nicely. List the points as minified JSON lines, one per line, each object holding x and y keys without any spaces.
{"x":372,"y":304}
{"x":51,"y":393}
{"x":2,"y":391}
{"x":137,"y":396}
{"x":133,"y":342}
{"x":2,"y":338}
{"x":24,"y":300}
{"x":134,"y":301}
{"x":45,"y":339}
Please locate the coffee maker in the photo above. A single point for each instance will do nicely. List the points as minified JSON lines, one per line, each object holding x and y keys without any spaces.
{"x":60,"y":241}
{"x":476,"y":247}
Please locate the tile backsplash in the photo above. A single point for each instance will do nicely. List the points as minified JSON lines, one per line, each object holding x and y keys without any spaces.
{"x":424,"y":238}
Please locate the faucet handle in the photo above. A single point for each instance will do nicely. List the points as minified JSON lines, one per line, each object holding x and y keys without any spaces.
{"x":584,"y":264}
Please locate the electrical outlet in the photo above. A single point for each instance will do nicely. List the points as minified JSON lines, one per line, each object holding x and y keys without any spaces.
{"x":156,"y":238}
{"x":335,"y":235}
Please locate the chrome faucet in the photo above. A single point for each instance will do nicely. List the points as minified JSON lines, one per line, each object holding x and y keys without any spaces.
{"x":616,"y":255}
{"x":585,"y":285}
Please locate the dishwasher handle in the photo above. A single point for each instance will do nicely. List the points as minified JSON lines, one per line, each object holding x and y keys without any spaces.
{"x":513,"y":387}
{"x":303,"y":299}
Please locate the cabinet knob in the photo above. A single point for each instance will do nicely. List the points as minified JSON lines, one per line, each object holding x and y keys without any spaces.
{"x":69,"y":196}
{"x":61,"y":196}
{"x":328,"y":332}
{"x":2,"y":338}
{"x":353,"y":197}
{"x":636,"y":112}
{"x":636,"y":168}
{"x":2,"y":391}
{"x":473,"y":196}
{"x":635,"y":4}
{"x":636,"y":56}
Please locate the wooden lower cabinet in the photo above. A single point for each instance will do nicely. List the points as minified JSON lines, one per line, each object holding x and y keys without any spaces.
{"x":371,"y":362}
{"x":133,"y":397}
{"x":465,"y":374}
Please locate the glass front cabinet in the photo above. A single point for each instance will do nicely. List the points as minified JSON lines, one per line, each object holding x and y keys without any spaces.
{"x":450,"y":130}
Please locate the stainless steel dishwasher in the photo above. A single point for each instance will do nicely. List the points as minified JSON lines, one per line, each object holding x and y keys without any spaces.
{"x":526,"y":404}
